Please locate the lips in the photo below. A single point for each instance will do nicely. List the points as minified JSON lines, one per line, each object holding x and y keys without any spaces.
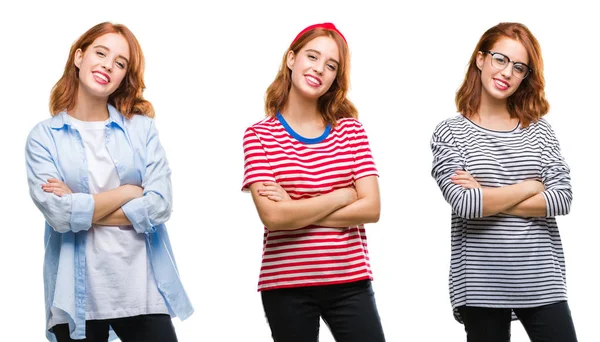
{"x":500,"y":84}
{"x":101,"y":77}
{"x":313,"y":81}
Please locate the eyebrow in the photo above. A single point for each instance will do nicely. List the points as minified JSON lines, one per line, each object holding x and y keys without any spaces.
{"x":318,"y":52}
{"x":105,"y":48}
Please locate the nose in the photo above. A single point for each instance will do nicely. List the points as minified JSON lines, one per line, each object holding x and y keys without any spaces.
{"x":318,"y":67}
{"x":106,"y":65}
{"x":508,"y":71}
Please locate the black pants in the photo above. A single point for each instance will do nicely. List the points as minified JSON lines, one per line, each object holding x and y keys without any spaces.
{"x":143,"y":328}
{"x":348,"y":309}
{"x":549,"y":323}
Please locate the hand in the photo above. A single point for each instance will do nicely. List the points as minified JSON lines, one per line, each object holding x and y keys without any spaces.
{"x":274,"y":192}
{"x":56,"y":187}
{"x":464,"y":179}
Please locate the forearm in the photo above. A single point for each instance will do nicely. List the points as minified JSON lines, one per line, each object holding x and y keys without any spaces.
{"x":497,"y":200}
{"x":290,"y":215}
{"x":360,"y":212}
{"x":109,"y":201}
{"x":534,"y":206}
{"x":116,"y":218}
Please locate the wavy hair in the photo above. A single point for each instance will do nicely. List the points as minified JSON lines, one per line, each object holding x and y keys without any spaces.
{"x":333,"y":105}
{"x":529,"y":102}
{"x":128,"y":98}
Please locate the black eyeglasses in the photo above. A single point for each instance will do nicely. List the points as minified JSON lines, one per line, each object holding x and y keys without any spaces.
{"x":500,"y":61}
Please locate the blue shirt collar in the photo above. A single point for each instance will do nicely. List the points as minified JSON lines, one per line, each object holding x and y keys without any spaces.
{"x":62,"y":119}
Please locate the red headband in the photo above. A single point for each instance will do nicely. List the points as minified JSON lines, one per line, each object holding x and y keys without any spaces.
{"x":327,"y":26}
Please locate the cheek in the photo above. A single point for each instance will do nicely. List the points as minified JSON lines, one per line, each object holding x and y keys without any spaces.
{"x":331,"y":78}
{"x":119,"y":79}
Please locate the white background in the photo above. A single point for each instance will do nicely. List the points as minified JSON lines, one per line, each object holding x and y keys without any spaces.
{"x":207,"y":69}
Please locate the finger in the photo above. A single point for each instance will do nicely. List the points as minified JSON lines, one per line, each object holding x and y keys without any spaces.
{"x":274,"y":198}
{"x":270,"y":193}
{"x":461,"y":181}
{"x":461,"y":172}
{"x":58,"y":193}
{"x":269,"y":183}
{"x":463,"y":177}
{"x":469,"y":186}
{"x":54,"y":180}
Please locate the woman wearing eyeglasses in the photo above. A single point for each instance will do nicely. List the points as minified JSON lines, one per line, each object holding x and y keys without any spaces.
{"x":499,"y":166}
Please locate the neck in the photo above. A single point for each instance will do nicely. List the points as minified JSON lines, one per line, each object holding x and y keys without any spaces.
{"x":492,"y":112}
{"x":89,"y":108}
{"x":301,"y":110}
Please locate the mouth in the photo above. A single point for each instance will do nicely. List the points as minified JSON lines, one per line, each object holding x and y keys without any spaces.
{"x":500,"y":84}
{"x":101,"y":77}
{"x":313,"y":81}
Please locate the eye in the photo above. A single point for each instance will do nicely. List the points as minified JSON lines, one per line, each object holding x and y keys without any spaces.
{"x":331,"y":67}
{"x":500,"y":59}
{"x":120,"y":64}
{"x":520,"y":68}
{"x":312,"y":57}
{"x":100,"y":53}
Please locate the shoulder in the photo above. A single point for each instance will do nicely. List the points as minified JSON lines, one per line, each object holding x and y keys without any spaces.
{"x":138,"y":120}
{"x":268,"y":124}
{"x":542,"y":124}
{"x":44,"y":128}
{"x":349,"y":125}
{"x":457,"y":122}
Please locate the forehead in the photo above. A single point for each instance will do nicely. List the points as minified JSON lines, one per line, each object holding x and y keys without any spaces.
{"x":513,"y":49}
{"x":115,"y":42}
{"x":324,"y":45}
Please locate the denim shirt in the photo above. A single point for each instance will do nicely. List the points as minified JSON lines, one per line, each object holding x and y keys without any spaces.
{"x":55,"y":149}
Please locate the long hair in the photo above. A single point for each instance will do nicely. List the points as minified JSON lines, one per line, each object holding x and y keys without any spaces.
{"x":332,"y":105}
{"x":128,"y":98}
{"x":528,"y":103}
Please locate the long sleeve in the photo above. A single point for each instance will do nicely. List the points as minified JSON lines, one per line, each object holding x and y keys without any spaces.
{"x":555,"y":176}
{"x":67,"y":213}
{"x":466,"y":203}
{"x":155,"y":206}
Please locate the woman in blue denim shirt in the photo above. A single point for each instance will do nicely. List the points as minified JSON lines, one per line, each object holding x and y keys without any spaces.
{"x":98,"y":173}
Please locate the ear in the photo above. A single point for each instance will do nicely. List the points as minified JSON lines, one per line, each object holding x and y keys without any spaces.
{"x":480,"y":59}
{"x":78,"y":58}
{"x":291,"y":58}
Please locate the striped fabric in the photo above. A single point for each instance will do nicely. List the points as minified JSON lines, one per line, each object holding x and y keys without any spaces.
{"x":502,"y":261}
{"x":312,"y":255}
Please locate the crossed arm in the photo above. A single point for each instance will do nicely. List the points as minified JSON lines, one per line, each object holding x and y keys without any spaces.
{"x":107,"y":205}
{"x":340,"y":208}
{"x":523,"y":199}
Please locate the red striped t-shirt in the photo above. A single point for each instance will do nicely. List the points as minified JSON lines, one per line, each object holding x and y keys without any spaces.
{"x":313,"y":255}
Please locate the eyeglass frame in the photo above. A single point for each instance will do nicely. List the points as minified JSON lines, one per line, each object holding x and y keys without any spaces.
{"x":492,"y":53}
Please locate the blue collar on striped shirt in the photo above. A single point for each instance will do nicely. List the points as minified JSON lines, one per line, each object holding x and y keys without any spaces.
{"x":300,"y":138}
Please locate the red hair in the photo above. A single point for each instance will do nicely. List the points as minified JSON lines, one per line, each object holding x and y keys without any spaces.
{"x":529,"y":102}
{"x":127,"y":98}
{"x":333,"y":105}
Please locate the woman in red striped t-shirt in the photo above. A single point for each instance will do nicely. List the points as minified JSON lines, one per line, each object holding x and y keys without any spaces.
{"x":313,"y":180}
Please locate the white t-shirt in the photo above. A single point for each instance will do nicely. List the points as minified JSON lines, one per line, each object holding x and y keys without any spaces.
{"x":119,"y":279}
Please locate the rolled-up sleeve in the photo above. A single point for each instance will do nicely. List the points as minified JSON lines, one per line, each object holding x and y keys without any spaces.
{"x":466,"y":203}
{"x":71,"y":212}
{"x":155,"y":206}
{"x":556,"y":177}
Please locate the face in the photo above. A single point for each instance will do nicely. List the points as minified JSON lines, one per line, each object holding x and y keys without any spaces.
{"x":500,"y":84}
{"x":314,"y":67}
{"x":103,"y":65}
